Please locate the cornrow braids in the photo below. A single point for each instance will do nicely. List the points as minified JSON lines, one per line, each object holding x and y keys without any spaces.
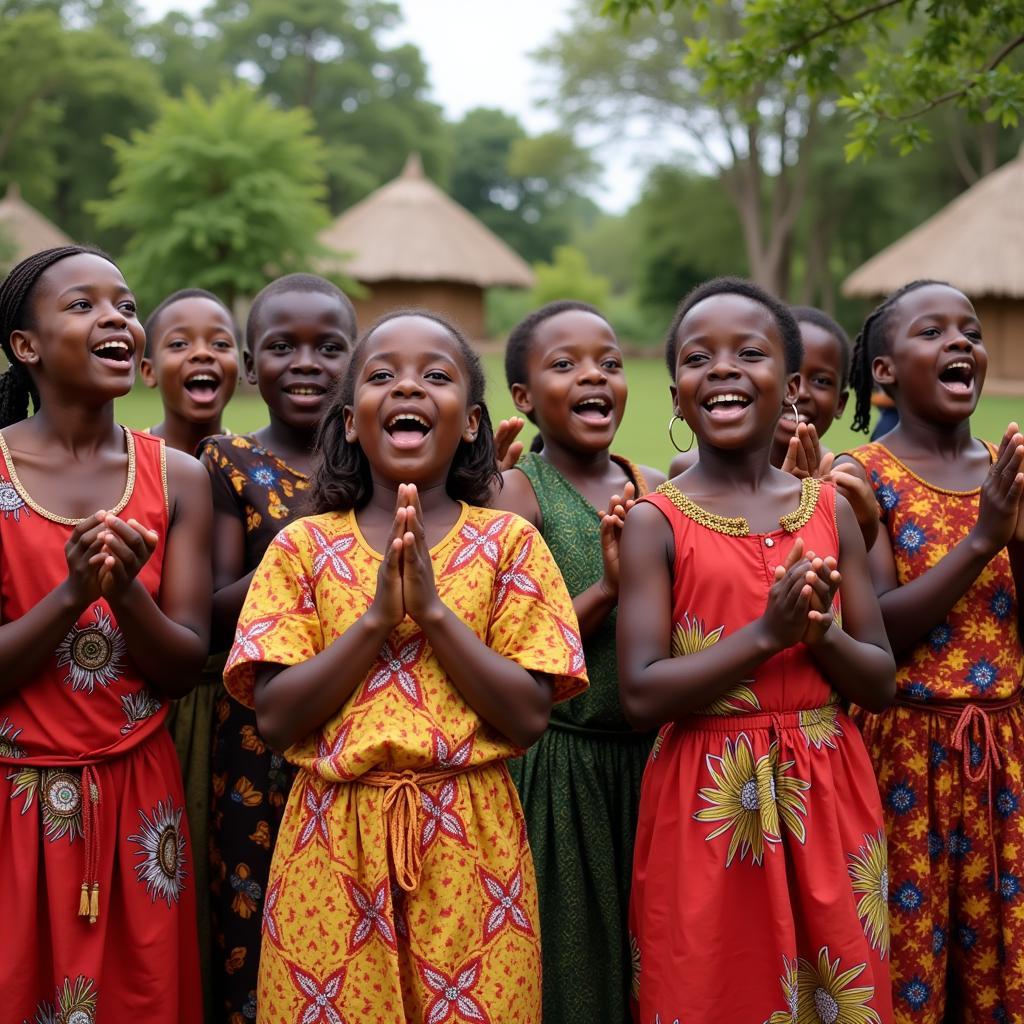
{"x":153,"y":320}
{"x":16,"y":387}
{"x":873,"y":341}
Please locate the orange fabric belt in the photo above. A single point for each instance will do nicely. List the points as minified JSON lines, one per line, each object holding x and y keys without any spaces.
{"x":403,"y":801}
{"x":972,"y":724}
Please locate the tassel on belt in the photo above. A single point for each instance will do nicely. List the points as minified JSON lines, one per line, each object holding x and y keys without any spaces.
{"x":89,"y":901}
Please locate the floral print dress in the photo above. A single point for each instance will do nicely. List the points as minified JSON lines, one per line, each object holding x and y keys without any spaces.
{"x":250,"y":783}
{"x":95,"y":863}
{"x":950,"y":760}
{"x":760,"y":883}
{"x":402,"y":887}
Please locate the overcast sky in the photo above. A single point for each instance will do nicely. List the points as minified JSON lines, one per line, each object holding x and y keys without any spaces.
{"x":477,"y":53}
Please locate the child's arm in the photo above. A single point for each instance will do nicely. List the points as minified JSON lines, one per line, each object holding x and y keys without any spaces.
{"x":654,"y":686}
{"x":855,"y":657}
{"x":512,"y":699}
{"x":168,"y":641}
{"x":910,"y":611}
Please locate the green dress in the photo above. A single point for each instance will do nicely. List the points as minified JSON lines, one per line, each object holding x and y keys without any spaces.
{"x":580,"y":788}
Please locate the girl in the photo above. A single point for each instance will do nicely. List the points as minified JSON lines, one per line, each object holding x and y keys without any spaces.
{"x":759,"y":879}
{"x":104,"y":619}
{"x":580,"y":784}
{"x":192,"y":357}
{"x":947,"y":568}
{"x":400,"y":645}
{"x":299,"y":337}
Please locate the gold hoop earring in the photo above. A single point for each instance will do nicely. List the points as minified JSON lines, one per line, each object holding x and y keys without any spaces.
{"x":671,"y":424}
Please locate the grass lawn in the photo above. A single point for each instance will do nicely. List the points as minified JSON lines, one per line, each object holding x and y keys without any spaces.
{"x":642,"y":436}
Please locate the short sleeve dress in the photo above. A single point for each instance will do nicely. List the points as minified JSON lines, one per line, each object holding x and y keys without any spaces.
{"x":402,"y":887}
{"x":760,"y":886}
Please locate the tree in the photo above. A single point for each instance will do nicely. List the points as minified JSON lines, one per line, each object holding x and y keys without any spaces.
{"x":220,"y":195}
{"x":569,"y":277}
{"x":964,"y":52}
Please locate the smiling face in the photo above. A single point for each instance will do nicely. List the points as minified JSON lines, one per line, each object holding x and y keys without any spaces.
{"x":936,"y":360}
{"x":84,"y":332}
{"x":575,"y":389}
{"x":731,"y":377}
{"x":822,"y":397}
{"x":194,"y":359}
{"x":411,"y":407}
{"x":302,"y":345}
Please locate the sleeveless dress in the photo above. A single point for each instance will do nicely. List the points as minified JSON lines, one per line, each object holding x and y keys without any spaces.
{"x":95,"y":866}
{"x":580,"y":788}
{"x":759,"y":878}
{"x":402,"y":887}
{"x":249,"y":782}
{"x":950,"y":758}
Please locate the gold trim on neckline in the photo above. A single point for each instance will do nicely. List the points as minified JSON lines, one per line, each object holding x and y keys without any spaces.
{"x":129,"y":485}
{"x":737,"y":526}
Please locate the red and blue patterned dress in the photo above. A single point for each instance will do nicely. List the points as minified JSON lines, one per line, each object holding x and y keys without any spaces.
{"x":950,"y":758}
{"x":91,"y":806}
{"x":760,"y":882}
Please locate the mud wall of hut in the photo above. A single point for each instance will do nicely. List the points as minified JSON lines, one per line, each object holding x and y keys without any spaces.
{"x":459,"y":302}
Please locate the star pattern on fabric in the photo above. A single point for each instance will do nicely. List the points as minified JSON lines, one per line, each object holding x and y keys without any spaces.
{"x":478,"y":544}
{"x":453,"y":999}
{"x":445,"y":757}
{"x":319,"y":995}
{"x":577,"y":660}
{"x":372,"y":910}
{"x":271,"y":929}
{"x":284,"y":541}
{"x":307,"y":599}
{"x":330,"y":554}
{"x":515,"y":579}
{"x":440,"y":817}
{"x":393,"y":666}
{"x":315,"y":826}
{"x":247,"y":643}
{"x":330,"y":754}
{"x":506,"y":910}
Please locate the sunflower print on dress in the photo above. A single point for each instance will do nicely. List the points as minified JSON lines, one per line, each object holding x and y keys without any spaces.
{"x":820,"y":726}
{"x":869,"y":873}
{"x":690,"y":637}
{"x":93,"y":654}
{"x":74,"y":1003}
{"x":827,"y":995}
{"x":60,"y":799}
{"x":12,"y":504}
{"x":750,"y":797}
{"x":161,"y":845}
{"x":789,"y":984}
{"x":137,"y":707}
{"x":9,"y":745}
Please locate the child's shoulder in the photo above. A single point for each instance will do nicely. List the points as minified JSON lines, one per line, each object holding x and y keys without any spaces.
{"x":309,"y":533}
{"x":230,"y":446}
{"x":498,"y":521}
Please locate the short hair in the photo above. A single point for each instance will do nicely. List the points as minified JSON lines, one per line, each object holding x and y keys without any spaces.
{"x":872,"y":341}
{"x":813,"y":315}
{"x":295,"y":283}
{"x":792,"y":346}
{"x":16,"y":291}
{"x":153,"y":320}
{"x":341,"y":477}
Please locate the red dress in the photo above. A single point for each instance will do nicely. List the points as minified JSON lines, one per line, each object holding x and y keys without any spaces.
{"x":91,"y":803}
{"x":759,"y":879}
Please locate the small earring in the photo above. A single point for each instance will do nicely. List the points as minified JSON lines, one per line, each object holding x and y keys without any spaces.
{"x":671,"y":424}
{"x":796,"y":412}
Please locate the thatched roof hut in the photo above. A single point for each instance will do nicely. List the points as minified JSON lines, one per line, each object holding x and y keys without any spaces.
{"x":977,"y":244}
{"x":410,"y":244}
{"x":28,"y":230}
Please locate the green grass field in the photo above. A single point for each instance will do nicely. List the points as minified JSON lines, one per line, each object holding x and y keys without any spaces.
{"x":642,"y":436}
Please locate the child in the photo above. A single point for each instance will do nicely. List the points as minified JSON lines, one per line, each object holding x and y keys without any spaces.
{"x":947,"y":568}
{"x":580,"y":783}
{"x":105,"y":618}
{"x":400,"y":645}
{"x":759,"y":882}
{"x":299,"y":337}
{"x":192,"y":357}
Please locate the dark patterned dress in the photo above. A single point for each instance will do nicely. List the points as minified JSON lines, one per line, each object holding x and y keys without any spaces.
{"x":950,"y":758}
{"x":96,"y":876}
{"x":250,"y":782}
{"x":580,"y":789}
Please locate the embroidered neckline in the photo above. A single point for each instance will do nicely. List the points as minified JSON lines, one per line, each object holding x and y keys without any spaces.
{"x":737,"y":526}
{"x":129,"y":485}
{"x":992,"y":454}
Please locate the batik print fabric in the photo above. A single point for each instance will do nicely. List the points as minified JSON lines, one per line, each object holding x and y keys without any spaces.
{"x":956,"y":836}
{"x":580,"y":788}
{"x":250,"y":783}
{"x":354,"y":929}
{"x":759,"y":874}
{"x":92,"y":818}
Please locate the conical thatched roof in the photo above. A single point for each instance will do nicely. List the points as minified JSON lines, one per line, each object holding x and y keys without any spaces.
{"x":976,"y":243}
{"x":409,"y":230}
{"x":28,"y":229}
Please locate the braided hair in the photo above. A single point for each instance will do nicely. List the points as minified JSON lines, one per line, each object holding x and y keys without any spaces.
{"x":16,"y":386}
{"x":871,"y":342}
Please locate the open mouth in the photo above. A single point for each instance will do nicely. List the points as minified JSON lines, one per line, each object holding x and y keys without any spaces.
{"x":594,"y":410}
{"x":726,"y":406}
{"x":202,"y":386}
{"x":958,"y":377}
{"x":407,"y":430}
{"x":114,"y":350}
{"x":305,"y":390}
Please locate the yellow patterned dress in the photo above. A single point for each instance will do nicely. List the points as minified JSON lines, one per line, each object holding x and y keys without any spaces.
{"x":402,"y":887}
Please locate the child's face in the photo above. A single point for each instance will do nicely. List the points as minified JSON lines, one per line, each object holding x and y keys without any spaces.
{"x":821,"y":398}
{"x":731,"y":377}
{"x":85,"y":331}
{"x":302,"y":347}
{"x":194,"y":359}
{"x":576,"y":387}
{"x":411,"y":406}
{"x":936,"y":361}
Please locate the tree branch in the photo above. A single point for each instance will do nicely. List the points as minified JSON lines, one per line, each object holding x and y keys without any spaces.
{"x":840,"y":22}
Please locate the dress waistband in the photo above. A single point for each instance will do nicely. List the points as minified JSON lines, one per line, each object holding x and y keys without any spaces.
{"x":777,"y":721}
